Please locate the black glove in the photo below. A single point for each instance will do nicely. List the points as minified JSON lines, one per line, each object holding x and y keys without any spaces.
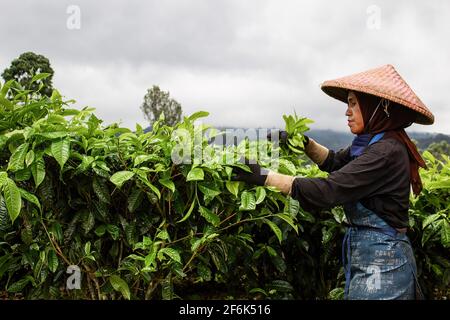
{"x":256,"y":177}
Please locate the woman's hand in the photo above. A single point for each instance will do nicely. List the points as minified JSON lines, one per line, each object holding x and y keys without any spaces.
{"x":263,"y":177}
{"x":257,"y":176}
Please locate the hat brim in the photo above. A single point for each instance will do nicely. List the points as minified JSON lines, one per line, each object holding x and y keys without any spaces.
{"x":340,"y":91}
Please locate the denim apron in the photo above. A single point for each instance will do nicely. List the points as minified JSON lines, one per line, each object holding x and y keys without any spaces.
{"x":378,"y":260}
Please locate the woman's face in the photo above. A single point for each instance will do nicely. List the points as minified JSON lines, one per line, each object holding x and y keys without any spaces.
{"x":355,"y":118}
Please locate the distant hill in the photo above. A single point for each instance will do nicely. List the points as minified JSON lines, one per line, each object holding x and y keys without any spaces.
{"x":336,"y":140}
{"x":425,"y":139}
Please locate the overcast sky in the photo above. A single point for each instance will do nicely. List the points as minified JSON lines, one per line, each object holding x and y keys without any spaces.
{"x":247,"y":62}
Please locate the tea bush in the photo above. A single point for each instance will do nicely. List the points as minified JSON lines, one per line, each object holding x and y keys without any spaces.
{"x":140,"y":224}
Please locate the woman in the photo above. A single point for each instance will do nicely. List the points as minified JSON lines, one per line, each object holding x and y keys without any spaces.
{"x":371,"y":179}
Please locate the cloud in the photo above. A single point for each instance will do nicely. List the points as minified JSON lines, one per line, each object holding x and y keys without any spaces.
{"x":246,"y":62}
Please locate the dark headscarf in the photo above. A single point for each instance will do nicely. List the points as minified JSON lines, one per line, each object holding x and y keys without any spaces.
{"x":392,"y":120}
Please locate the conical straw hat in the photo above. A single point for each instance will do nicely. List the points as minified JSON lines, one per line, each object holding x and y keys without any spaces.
{"x":384,"y":82}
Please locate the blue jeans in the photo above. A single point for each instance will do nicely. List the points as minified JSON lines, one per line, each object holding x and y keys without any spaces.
{"x":379,"y":263}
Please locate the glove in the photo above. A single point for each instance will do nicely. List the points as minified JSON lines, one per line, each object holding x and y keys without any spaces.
{"x":283,"y":136}
{"x":316,"y":152}
{"x":257,"y":177}
{"x":263,"y":177}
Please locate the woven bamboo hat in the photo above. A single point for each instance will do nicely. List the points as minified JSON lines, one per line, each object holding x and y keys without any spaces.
{"x":383,"y":82}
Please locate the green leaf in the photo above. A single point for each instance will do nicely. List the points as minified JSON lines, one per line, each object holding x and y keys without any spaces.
{"x":275,"y":229}
{"x":437,"y":270}
{"x":295,"y":150}
{"x":197,"y":115}
{"x":135,"y":199}
{"x":38,"y":170}
{"x":17,"y":159}
{"x":150,"y":258}
{"x":429,"y":156}
{"x":445,"y":234}
{"x":167,"y":288}
{"x":113,"y":230}
{"x":306,"y":216}
{"x":163,"y":235}
{"x":147,"y":157}
{"x":130,"y":233}
{"x":287,"y":167}
{"x":288,"y":219}
{"x":336,"y":294}
{"x":29,"y":158}
{"x":101,"y":190}
{"x":195,"y":243}
{"x":233,"y":187}
{"x":100,"y":170}
{"x":12,"y":198}
{"x":53,"y":135}
{"x":56,"y":231}
{"x":52,"y":260}
{"x":22,"y":175}
{"x":6,"y":87}
{"x":18,"y":286}
{"x":88,"y":221}
{"x":154,"y":189}
{"x":209,"y":216}
{"x":120,"y":177}
{"x":229,"y":171}
{"x":56,"y":119}
{"x":70,"y":112}
{"x":61,"y":151}
{"x":297,"y":141}
{"x":100,"y":230}
{"x":426,"y":235}
{"x":30,"y":197}
{"x":259,"y":290}
{"x":6,"y":103}
{"x":168,"y":184}
{"x":56,"y":96}
{"x":5,"y":221}
{"x":248,"y":201}
{"x":430,"y":219}
{"x":209,"y":190}
{"x":87,"y":248}
{"x":281,"y":286}
{"x":39,"y":76}
{"x":195,"y":174}
{"x":86,"y":162}
{"x":3,"y":178}
{"x":171,"y":253}
{"x":120,"y":285}
{"x":293,"y":207}
{"x":143,"y":177}
{"x":260,"y":194}
{"x":279,"y":263}
{"x":440,"y":184}
{"x":204,"y":272}
{"x":135,"y":257}
{"x":189,"y":212}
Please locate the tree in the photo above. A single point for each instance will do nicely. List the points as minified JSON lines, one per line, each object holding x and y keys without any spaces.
{"x":25,"y":67}
{"x":157,"y":102}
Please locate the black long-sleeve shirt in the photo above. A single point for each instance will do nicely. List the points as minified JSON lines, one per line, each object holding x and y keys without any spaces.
{"x":379,"y":178}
